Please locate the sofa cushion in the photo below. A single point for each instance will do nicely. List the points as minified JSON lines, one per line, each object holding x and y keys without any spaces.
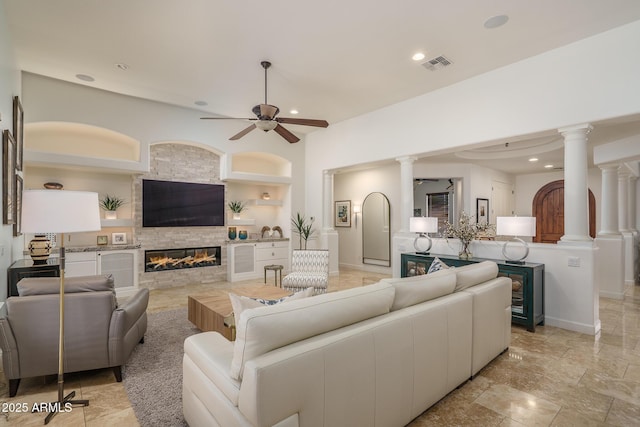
{"x":241,"y":303}
{"x":51,"y":285}
{"x":473,"y":274}
{"x":437,"y":265}
{"x":260,"y":330}
{"x":417,"y":289}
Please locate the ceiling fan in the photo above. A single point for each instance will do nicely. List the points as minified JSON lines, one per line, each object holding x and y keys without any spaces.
{"x":266,"y":119}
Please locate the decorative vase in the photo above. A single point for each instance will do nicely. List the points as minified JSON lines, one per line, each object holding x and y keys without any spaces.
{"x":465,"y":253}
{"x":232,"y":233}
{"x":39,"y":249}
{"x":110,"y":215}
{"x":242,"y":234}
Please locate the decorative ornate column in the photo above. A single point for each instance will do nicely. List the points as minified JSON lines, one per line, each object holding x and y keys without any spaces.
{"x":609,"y":204}
{"x":329,"y":238}
{"x":406,"y":191}
{"x":623,"y":200}
{"x":576,"y":190}
{"x":633,"y":182}
{"x":327,"y":200}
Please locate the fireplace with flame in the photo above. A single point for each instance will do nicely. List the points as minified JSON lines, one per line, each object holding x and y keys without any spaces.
{"x":175,"y":259}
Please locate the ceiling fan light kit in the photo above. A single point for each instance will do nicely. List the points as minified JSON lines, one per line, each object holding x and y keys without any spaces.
{"x":266,"y":119}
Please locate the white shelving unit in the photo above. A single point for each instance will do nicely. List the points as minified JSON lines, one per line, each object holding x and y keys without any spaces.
{"x":125,"y":222}
{"x":261,"y":202}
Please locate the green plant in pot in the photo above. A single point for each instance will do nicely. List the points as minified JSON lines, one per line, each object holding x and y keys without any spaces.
{"x":303,"y":228}
{"x":236,"y":207}
{"x":110,"y":204}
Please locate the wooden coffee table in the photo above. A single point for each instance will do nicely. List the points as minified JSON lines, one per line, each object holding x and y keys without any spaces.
{"x":212,"y":311}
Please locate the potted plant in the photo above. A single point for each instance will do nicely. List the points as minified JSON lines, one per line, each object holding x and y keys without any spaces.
{"x":236,"y":207}
{"x":110,"y":204}
{"x":302,"y":228}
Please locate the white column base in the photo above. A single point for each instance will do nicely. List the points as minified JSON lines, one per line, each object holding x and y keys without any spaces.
{"x":329,"y":239}
{"x":609,"y":266}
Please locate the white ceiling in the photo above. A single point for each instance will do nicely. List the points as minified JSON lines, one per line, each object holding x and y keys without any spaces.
{"x":332,"y":60}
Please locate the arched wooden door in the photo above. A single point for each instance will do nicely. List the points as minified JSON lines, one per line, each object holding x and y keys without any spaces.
{"x":548,"y":208}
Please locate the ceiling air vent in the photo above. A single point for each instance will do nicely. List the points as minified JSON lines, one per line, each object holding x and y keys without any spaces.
{"x":437,"y":63}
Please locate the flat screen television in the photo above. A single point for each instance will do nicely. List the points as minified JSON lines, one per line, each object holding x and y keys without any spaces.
{"x":181,"y":204}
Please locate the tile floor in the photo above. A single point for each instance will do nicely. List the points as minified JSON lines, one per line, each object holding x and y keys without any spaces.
{"x":553,"y":377}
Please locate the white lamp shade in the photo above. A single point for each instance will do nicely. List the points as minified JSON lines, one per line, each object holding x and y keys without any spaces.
{"x":356,"y":208}
{"x":422,"y":224}
{"x":516,"y":226}
{"x":60,"y":211}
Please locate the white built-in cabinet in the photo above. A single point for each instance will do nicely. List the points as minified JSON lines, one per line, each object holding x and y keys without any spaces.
{"x":247,"y":260}
{"x":122,"y":264}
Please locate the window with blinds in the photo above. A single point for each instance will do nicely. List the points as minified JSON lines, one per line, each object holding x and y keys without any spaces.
{"x":438,"y":207}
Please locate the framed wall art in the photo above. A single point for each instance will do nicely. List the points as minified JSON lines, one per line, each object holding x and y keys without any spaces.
{"x":343,"y":213}
{"x":102,"y":240}
{"x":8,"y":181}
{"x":18,"y":131}
{"x":17,"y":225}
{"x":118,"y":238}
{"x":482,"y":211}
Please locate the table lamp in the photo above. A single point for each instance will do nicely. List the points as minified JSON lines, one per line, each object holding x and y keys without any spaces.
{"x":523,"y":226}
{"x":423,"y":225}
{"x":60,"y":211}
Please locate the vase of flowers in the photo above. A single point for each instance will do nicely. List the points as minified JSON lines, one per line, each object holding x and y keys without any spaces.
{"x":466,"y":231}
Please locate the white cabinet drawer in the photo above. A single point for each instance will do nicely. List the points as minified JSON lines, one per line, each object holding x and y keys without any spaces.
{"x":262,"y":245}
{"x":266,"y":254}
{"x":79,"y":256}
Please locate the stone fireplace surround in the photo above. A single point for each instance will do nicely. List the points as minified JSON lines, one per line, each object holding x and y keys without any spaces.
{"x":186,"y":163}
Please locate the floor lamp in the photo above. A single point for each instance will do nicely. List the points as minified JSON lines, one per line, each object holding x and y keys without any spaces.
{"x":60,"y":211}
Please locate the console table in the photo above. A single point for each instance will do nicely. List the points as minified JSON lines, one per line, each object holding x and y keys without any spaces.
{"x":527,"y":300}
{"x":26,"y":268}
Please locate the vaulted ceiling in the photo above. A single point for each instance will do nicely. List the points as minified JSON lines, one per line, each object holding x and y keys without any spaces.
{"x":332,"y":60}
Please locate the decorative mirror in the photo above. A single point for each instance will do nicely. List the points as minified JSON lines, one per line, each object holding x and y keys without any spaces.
{"x":376,"y":235}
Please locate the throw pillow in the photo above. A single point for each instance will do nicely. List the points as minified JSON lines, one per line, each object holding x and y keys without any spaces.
{"x":437,"y":265}
{"x":241,"y":303}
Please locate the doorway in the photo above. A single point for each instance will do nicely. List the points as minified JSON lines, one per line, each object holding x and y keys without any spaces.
{"x":548,"y":208}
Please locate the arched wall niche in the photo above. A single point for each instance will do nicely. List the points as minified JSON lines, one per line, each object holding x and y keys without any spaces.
{"x":82,"y":140}
{"x":260,"y":163}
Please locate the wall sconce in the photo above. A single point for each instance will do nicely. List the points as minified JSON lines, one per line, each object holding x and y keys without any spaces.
{"x":423,"y":225}
{"x":524,"y":226}
{"x":356,"y":210}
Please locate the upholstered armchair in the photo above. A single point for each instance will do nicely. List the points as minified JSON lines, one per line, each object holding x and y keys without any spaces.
{"x":309,"y":268}
{"x":98,"y":333}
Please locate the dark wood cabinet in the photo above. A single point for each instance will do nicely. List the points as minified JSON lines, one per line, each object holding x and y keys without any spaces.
{"x":527,"y":299}
{"x":26,"y":268}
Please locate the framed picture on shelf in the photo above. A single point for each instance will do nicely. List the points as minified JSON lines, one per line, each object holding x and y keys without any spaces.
{"x":18,"y":131}
{"x":8,"y":180}
{"x":482,"y":211}
{"x":343,"y":213}
{"x":118,"y":238}
{"x":17,"y":225}
{"x":102,"y":240}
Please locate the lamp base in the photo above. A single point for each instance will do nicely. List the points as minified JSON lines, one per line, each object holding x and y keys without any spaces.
{"x":64,"y":406}
{"x":422,"y":252}
{"x":517,"y":262}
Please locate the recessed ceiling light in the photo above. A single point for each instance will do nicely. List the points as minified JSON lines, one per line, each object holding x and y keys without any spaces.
{"x":548,"y":166}
{"x":496,"y":21}
{"x":533,"y":159}
{"x":294,"y":111}
{"x":201,"y":103}
{"x":85,"y":77}
{"x":122,"y":66}
{"x":418,"y":56}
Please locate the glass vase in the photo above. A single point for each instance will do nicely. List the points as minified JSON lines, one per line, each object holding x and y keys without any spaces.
{"x":465,"y":252}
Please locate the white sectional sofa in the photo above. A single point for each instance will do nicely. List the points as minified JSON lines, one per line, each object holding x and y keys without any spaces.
{"x":375,"y":355}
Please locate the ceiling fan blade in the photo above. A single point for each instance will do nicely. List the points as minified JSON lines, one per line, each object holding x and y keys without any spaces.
{"x":304,"y":122}
{"x":242,"y":133}
{"x":286,"y":134}
{"x":226,"y":118}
